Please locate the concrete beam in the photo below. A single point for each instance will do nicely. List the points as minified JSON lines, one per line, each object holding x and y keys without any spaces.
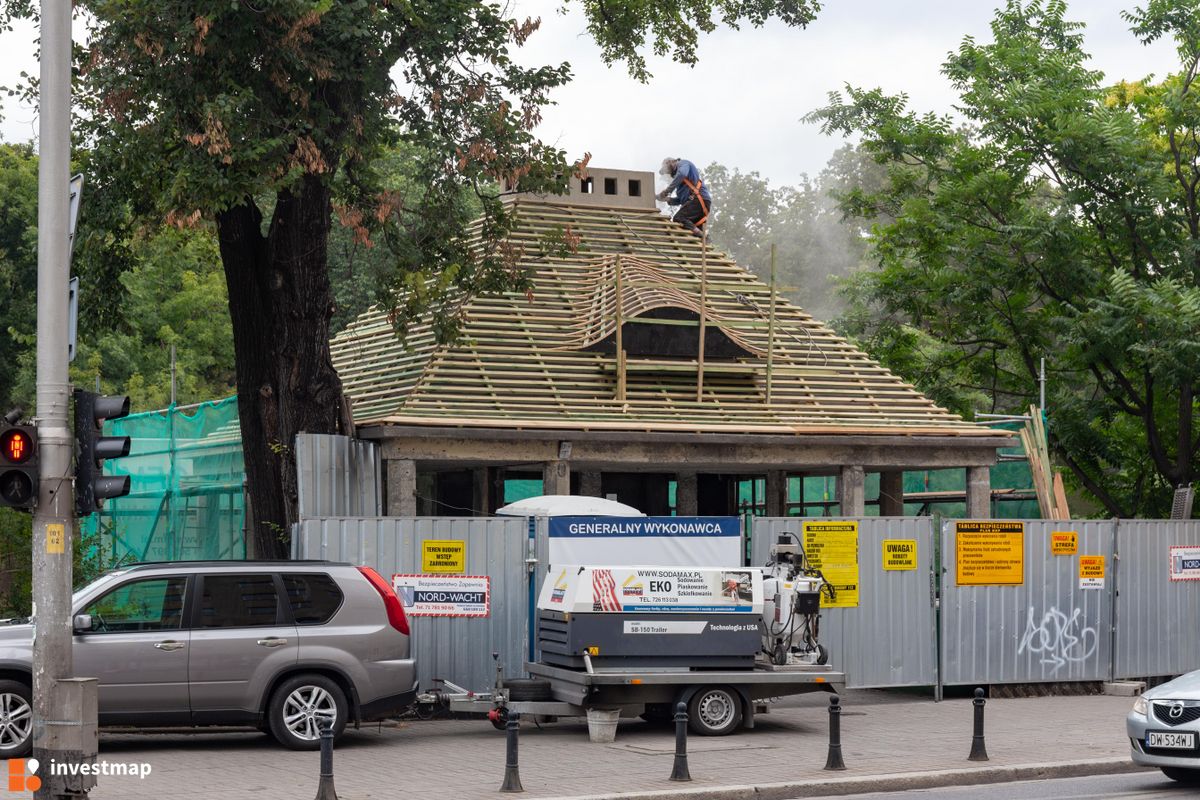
{"x":700,"y":455}
{"x":851,"y":491}
{"x":979,"y":493}
{"x":776,"y":487}
{"x":987,"y":437}
{"x":686,"y":497}
{"x":589,"y":484}
{"x":556,"y":477}
{"x":401,"y":487}
{"x":891,"y":493}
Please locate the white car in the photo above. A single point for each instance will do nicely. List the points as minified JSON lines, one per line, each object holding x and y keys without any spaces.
{"x":1164,"y":728}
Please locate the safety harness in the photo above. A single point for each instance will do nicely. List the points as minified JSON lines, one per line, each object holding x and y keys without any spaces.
{"x":695,"y":189}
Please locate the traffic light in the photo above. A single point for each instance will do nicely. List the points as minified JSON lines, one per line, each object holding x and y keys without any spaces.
{"x":18,"y":466}
{"x":92,"y":486}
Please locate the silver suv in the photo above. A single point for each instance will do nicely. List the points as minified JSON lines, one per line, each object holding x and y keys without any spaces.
{"x":282,"y":645}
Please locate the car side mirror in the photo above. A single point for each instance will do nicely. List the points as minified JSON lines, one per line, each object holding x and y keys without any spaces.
{"x":82,"y":623}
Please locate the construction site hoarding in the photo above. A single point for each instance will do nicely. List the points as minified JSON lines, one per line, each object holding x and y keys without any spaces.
{"x":1157,"y":613}
{"x":887,"y":637}
{"x":457,"y":621}
{"x":1027,"y":616}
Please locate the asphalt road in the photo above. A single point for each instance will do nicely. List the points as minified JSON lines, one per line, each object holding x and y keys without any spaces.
{"x":1139,"y":785}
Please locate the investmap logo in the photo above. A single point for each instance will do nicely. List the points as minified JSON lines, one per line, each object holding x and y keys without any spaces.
{"x":21,"y":775}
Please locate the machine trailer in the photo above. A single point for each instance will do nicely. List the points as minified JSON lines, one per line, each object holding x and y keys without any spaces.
{"x":719,"y":701}
{"x":643,"y":639}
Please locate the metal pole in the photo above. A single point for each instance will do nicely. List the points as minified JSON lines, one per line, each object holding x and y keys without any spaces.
{"x":679,"y":769}
{"x":978,"y":749}
{"x":512,"y":774}
{"x":771,"y":328}
{"x":833,"y":760}
{"x":325,"y":790}
{"x":172,"y":375}
{"x":1042,"y":386}
{"x":54,"y":517}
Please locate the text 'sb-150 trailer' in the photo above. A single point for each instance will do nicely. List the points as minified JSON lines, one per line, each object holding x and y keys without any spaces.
{"x":642,"y":639}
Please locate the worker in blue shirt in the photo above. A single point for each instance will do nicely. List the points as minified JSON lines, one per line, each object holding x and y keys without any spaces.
{"x":687,"y":191}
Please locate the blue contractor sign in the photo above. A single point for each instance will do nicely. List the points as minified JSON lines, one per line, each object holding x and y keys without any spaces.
{"x":646,"y":541}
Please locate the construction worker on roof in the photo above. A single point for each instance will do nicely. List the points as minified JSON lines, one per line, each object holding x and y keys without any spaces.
{"x":687,"y":191}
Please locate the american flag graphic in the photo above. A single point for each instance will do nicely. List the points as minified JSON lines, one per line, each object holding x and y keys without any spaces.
{"x":604,"y":591}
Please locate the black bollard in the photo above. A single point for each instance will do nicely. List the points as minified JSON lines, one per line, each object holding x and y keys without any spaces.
{"x":834,"y":760}
{"x":978,"y":750}
{"x":325,"y":790}
{"x":512,"y":776}
{"x":679,"y":770}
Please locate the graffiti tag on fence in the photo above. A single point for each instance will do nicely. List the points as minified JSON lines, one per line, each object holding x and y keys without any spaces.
{"x":1059,"y":639}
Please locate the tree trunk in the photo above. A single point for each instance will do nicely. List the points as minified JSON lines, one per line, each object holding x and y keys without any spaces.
{"x":280,"y":306}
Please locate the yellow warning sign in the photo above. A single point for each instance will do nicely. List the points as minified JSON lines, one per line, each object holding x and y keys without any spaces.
{"x":56,"y":538}
{"x":443,"y":556}
{"x":832,"y":547}
{"x":1091,"y":572}
{"x":1064,"y":543}
{"x":899,"y":554}
{"x":989,"y":553}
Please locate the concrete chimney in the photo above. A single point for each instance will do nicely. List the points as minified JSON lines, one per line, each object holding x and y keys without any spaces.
{"x":618,"y":188}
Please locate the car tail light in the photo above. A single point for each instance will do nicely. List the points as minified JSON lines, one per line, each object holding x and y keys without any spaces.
{"x":395,"y":611}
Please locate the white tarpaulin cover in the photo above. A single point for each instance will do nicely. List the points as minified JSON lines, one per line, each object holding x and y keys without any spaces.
{"x":567,"y":505}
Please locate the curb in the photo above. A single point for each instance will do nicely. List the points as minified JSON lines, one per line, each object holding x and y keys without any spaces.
{"x":895,"y":782}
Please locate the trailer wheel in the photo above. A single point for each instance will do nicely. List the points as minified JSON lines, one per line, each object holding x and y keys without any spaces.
{"x":714,"y":711}
{"x":822,"y":655}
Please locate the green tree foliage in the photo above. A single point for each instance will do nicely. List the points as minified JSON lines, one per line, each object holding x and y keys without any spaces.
{"x":1060,"y":220}
{"x":270,"y":119}
{"x":18,"y":263}
{"x":174,"y":295}
{"x":817,"y":246}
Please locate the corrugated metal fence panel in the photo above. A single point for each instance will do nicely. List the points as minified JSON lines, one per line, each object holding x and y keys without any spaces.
{"x":1047,"y":629}
{"x":455,"y":649}
{"x":338,"y":477}
{"x":1157,"y":618}
{"x":889,"y":639}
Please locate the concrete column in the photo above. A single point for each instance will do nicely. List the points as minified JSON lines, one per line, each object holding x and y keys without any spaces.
{"x":401,"y":487}
{"x":685,"y":494}
{"x":979,"y":493}
{"x":589,"y":484}
{"x":891,"y":493}
{"x":556,"y":477}
{"x":776,"y":487}
{"x":851,"y":495}
{"x":481,"y":491}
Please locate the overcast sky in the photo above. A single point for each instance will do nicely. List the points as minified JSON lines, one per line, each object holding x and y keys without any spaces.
{"x":741,"y":106}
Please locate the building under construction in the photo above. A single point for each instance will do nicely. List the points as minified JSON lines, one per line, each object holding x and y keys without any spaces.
{"x":642,"y":365}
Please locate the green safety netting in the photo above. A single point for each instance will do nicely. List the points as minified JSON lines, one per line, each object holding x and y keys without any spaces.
{"x":186,"y":497}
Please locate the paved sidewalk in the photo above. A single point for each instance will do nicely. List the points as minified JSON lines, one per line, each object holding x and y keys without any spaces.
{"x":895,"y":738}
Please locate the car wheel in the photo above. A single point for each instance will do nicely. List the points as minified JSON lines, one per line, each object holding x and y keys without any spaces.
{"x":16,"y":720}
{"x":714,"y":711}
{"x":301,"y":706}
{"x":1183,"y":775}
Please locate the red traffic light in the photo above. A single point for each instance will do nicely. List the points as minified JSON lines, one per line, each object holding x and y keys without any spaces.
{"x":16,"y":446}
